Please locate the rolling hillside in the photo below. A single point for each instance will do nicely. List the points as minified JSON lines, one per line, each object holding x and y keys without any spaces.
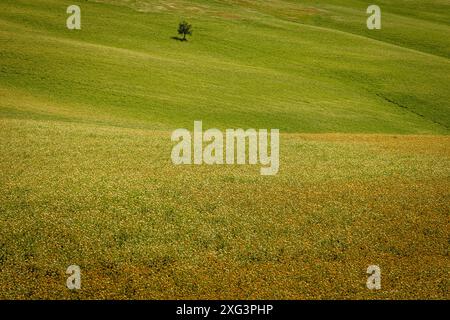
{"x":86,"y":177}
{"x":296,"y":67}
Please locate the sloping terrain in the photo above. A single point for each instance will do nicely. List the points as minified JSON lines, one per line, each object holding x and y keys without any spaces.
{"x":279,"y":64}
{"x":86,"y":176}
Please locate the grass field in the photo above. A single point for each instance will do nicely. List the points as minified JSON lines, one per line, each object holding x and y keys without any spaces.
{"x":86,"y":176}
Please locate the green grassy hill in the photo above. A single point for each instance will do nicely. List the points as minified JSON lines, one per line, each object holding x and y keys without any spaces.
{"x":281,"y":64}
{"x":86,"y":176}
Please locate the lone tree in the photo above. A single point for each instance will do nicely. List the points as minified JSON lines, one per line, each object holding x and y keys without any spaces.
{"x":185,"y":28}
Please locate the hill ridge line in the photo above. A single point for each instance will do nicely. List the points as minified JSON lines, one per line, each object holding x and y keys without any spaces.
{"x":447,"y":60}
{"x":409,"y":110}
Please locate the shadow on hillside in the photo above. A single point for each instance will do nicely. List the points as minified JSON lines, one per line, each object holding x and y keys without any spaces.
{"x":178,"y":39}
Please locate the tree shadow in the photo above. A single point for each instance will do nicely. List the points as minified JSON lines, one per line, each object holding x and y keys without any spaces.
{"x":178,"y":39}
